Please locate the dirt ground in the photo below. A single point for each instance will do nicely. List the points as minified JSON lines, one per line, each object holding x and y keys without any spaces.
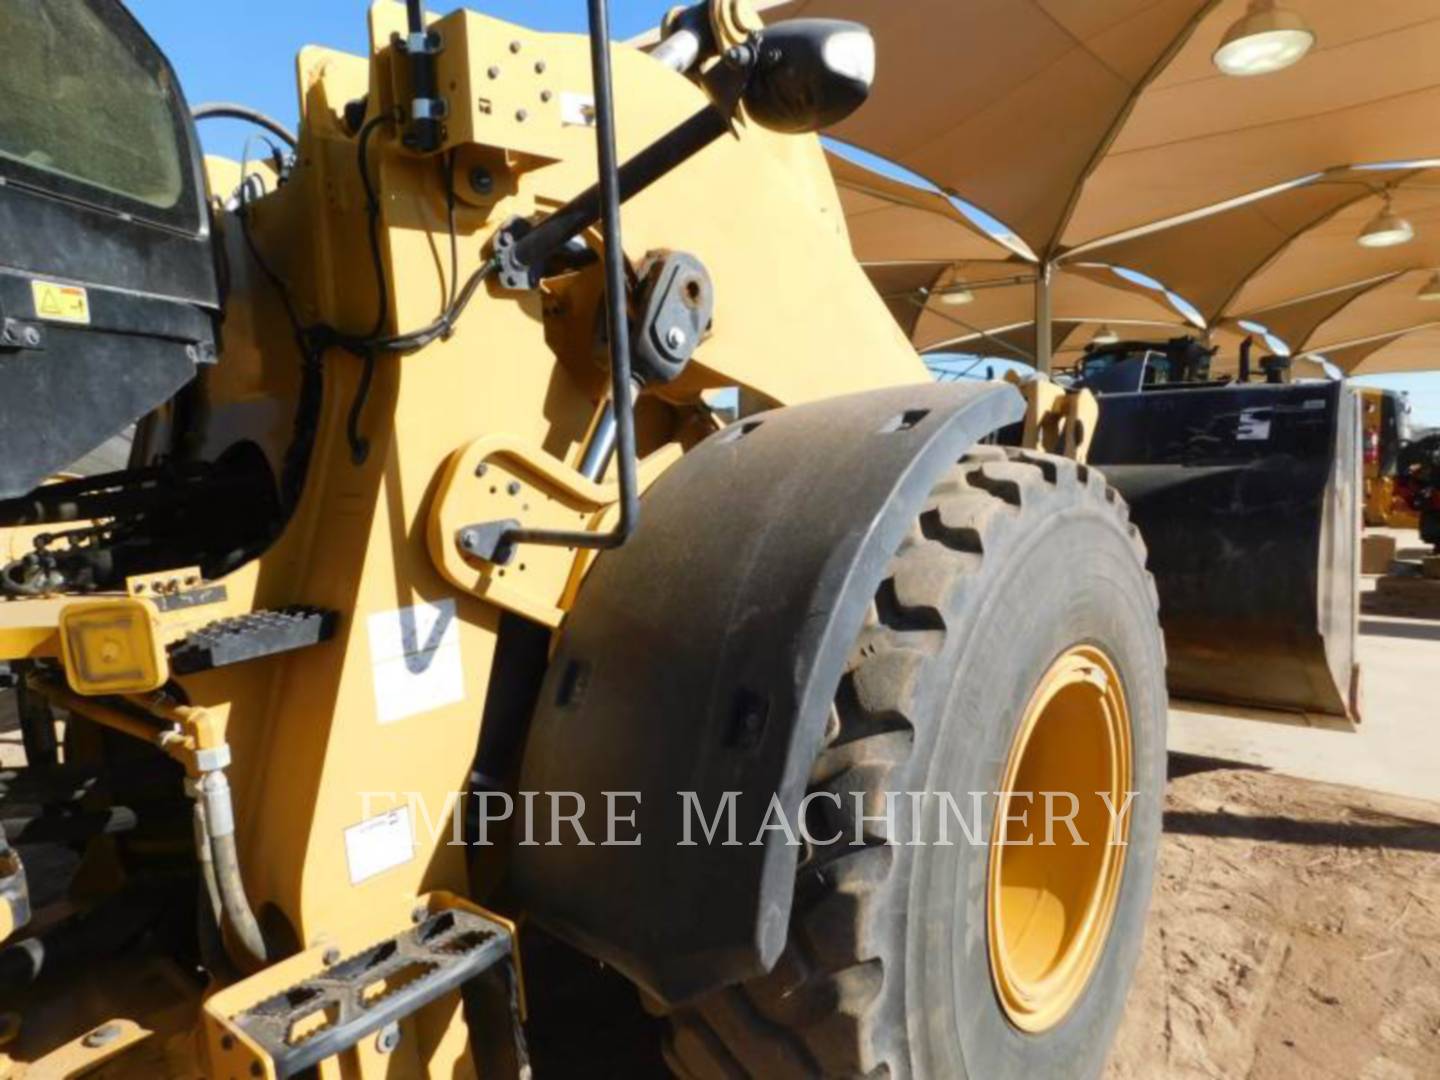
{"x":1295,"y":932}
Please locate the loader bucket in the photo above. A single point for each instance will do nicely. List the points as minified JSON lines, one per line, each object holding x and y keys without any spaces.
{"x":1246,"y":497}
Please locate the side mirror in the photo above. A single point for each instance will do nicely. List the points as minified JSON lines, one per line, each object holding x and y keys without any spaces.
{"x":807,"y":74}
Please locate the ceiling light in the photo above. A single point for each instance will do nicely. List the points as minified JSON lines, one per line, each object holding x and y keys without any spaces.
{"x":1267,"y":38}
{"x":1431,"y":289}
{"x":1386,"y":229}
{"x":1105,"y":336}
{"x":956,"y":296}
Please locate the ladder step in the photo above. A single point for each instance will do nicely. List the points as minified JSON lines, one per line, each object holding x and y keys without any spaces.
{"x":251,"y":636}
{"x":358,"y":996}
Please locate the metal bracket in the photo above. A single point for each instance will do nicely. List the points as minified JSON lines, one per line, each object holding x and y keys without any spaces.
{"x":16,"y":334}
{"x":487,"y":541}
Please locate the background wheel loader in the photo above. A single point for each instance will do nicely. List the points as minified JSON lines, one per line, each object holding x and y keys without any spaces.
{"x":427,"y":515}
{"x":1384,"y":420}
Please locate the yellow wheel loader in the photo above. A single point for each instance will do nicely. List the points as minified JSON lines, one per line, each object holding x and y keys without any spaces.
{"x":1385,"y":432}
{"x":438,"y":602}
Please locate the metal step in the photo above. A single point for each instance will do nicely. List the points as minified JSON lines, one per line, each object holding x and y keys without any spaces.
{"x":251,"y":636}
{"x":373,"y":990}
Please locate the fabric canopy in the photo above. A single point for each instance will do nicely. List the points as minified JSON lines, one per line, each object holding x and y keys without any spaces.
{"x":1101,"y":129}
{"x":1392,"y":306}
{"x":1413,"y":349}
{"x":891,"y":221}
{"x":1081,"y":295}
{"x":881,"y":212}
{"x":1327,"y":256}
{"x":1007,"y":103}
{"x":1369,"y":92}
{"x":1209,"y":260}
{"x":1068,"y":338}
{"x":1076,"y":120}
{"x":1294,"y":322}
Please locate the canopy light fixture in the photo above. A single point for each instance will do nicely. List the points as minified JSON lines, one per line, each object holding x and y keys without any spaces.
{"x":1386,"y":229}
{"x":1105,"y":336}
{"x":1431,"y":289}
{"x":1266,"y":39}
{"x":956,"y":296}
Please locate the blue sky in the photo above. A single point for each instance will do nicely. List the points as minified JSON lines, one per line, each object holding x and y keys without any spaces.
{"x":245,"y":52}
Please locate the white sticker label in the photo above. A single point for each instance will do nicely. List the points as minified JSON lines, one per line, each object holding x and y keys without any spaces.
{"x":415,"y":660}
{"x":379,"y":844}
{"x":1252,"y":427}
{"x":577,"y":110}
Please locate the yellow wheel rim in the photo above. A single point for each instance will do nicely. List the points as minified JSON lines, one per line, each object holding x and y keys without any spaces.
{"x":1049,"y":907}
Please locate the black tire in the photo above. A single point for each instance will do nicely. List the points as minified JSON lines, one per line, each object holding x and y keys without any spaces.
{"x":1017,"y":557}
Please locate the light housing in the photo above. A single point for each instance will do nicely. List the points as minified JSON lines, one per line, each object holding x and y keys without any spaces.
{"x":1386,"y":229}
{"x":1105,"y":336}
{"x":809,"y":73}
{"x":1430,"y":291}
{"x":1266,"y":39}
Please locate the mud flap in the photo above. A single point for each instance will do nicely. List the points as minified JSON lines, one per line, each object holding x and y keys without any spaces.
{"x":702,"y":658}
{"x":1247,"y":500}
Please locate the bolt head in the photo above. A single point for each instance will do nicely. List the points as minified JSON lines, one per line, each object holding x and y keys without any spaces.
{"x":521,"y":115}
{"x":675,"y":338}
{"x":481,"y":182}
{"x":103,"y":1035}
{"x":515,"y":46}
{"x":493,"y":71}
{"x":513,"y":487}
{"x":539,"y":67}
{"x":388,"y":1038}
{"x":32,"y":336}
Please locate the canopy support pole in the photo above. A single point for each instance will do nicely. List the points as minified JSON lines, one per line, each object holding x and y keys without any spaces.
{"x":1044,"y":341}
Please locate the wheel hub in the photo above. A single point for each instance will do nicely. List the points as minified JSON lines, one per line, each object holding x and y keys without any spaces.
{"x":1050,"y":901}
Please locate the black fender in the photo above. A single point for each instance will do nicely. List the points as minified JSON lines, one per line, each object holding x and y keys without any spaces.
{"x":703,"y":656}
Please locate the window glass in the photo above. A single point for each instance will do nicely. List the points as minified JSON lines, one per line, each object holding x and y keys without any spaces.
{"x":76,"y":100}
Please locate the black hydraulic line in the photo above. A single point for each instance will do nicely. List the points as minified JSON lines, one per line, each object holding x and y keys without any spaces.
{"x":216,"y":110}
{"x":609,"y":198}
{"x":648,"y":165}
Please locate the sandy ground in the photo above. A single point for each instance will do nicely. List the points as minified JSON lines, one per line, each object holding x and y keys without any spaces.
{"x":1294,"y":932}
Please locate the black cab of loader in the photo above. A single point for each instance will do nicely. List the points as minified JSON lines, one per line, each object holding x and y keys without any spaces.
{"x":1145,"y":365}
{"x":108,"y":283}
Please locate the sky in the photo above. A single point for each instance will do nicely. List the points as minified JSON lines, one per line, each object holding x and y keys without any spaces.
{"x":244,"y":52}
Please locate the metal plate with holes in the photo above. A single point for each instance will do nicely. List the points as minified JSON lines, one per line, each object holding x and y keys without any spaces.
{"x":499,"y":478}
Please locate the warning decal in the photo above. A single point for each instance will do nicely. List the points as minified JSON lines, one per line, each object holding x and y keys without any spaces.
{"x":60,"y":303}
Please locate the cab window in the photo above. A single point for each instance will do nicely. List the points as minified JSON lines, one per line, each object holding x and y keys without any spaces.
{"x":85,"y":100}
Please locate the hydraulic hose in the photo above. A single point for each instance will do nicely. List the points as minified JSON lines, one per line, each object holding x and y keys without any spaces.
{"x":217,"y":820}
{"x":230,"y":111}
